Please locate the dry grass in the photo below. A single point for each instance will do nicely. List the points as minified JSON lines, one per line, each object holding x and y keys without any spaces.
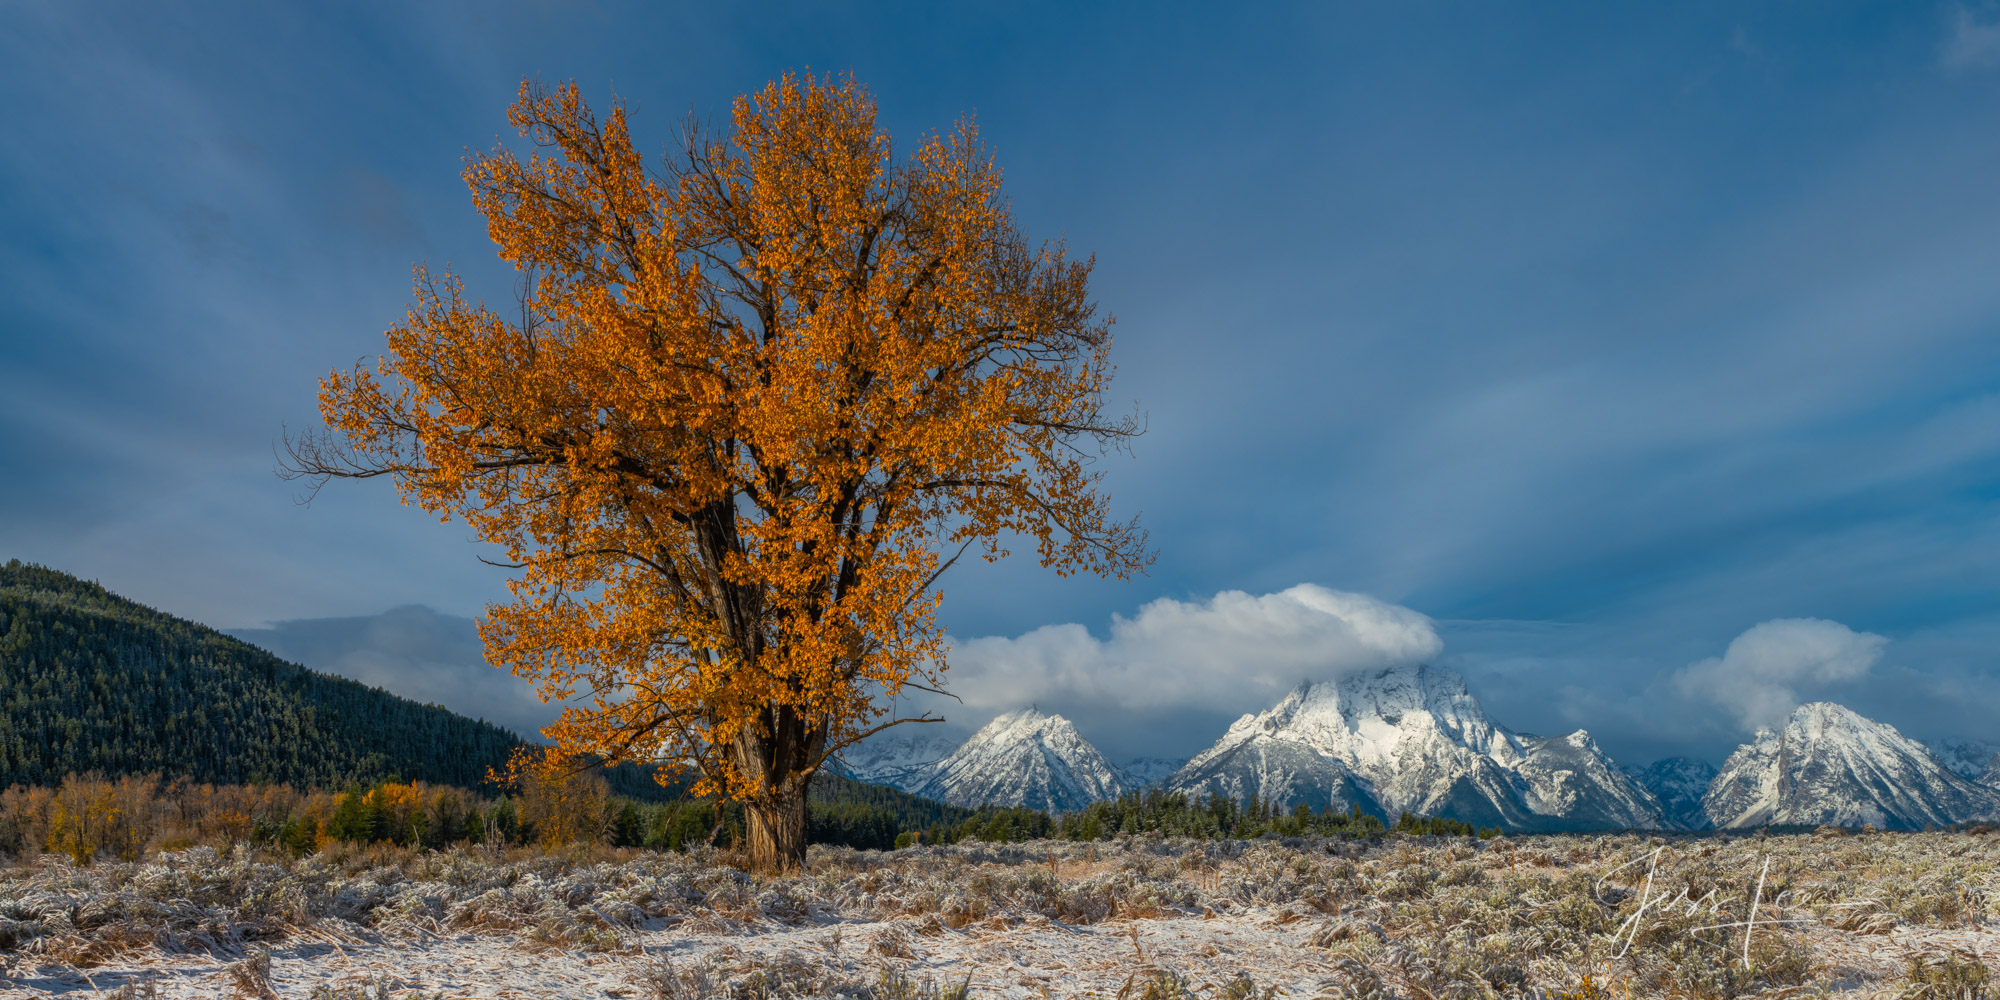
{"x":1417,"y":918}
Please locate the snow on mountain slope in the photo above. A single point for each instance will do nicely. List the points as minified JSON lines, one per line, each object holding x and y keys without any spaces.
{"x":1141,"y":773}
{"x":1414,"y":739}
{"x":1286,"y":772}
{"x":1831,"y":766}
{"x":1025,"y":758}
{"x":903,"y":757}
{"x":1678,"y":783}
{"x":1969,"y":759}
{"x":1571,"y":778}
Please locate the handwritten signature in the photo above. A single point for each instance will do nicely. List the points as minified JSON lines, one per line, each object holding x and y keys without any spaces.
{"x":1711,"y":904}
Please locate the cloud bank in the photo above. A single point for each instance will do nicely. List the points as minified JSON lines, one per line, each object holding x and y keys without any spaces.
{"x":1759,"y":678}
{"x":1164,"y":680}
{"x":1231,"y":653}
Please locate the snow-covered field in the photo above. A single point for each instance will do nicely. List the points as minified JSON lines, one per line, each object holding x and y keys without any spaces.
{"x":1417,"y":918}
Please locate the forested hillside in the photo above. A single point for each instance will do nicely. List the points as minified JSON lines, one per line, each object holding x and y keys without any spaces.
{"x":90,"y":681}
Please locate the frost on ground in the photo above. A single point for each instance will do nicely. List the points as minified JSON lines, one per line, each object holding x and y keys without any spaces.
{"x":1421,"y":918}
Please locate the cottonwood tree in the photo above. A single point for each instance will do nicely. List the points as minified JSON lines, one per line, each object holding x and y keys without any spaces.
{"x":752,"y":404}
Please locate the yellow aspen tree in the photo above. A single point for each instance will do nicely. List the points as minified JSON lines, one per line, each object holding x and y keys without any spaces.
{"x":753,"y":403}
{"x":565,"y":801}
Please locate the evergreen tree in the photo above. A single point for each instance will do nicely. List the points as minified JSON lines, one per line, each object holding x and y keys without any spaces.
{"x":92,"y":682}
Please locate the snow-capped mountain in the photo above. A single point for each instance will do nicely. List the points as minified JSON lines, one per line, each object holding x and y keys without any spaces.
{"x":902,"y":757}
{"x":1414,"y":739}
{"x":1025,"y":758}
{"x":1678,"y":783}
{"x":1973,"y":760}
{"x":1572,"y":782}
{"x":1145,"y":772}
{"x":1831,"y":766}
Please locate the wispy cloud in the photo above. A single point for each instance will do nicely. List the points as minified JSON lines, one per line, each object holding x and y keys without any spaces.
{"x":1970,"y":43}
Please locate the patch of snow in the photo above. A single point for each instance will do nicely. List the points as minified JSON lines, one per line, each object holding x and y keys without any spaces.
{"x":1969,"y":759}
{"x":1145,"y":772}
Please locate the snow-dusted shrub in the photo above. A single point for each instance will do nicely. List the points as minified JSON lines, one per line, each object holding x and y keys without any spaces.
{"x":1427,"y":917}
{"x":1946,"y":976}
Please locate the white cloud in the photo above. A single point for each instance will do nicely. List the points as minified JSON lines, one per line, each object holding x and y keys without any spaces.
{"x":1231,"y":652}
{"x":1760,"y":675}
{"x":1971,"y":43}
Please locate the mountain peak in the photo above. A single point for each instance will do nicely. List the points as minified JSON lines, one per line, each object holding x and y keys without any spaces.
{"x":1827,"y":715}
{"x":1831,"y":765}
{"x":1022,"y":758}
{"x":1029,"y":718}
{"x":1413,"y":738}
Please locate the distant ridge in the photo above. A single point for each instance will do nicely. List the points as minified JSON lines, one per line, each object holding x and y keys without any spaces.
{"x":1141,"y":773}
{"x":1679,"y":783}
{"x":902,"y":758}
{"x":1974,"y":760}
{"x":90,"y":681}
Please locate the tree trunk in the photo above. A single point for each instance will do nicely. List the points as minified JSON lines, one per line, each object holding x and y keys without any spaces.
{"x":775,"y":828}
{"x":781,"y":751}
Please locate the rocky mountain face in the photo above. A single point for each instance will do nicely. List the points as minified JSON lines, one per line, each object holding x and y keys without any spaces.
{"x":1679,"y":784}
{"x":1413,"y":739}
{"x":1025,"y":758}
{"x":1285,"y":771}
{"x":902,"y":757}
{"x":1831,"y":766}
{"x":1573,"y":783}
{"x":1974,"y":760}
{"x":1141,"y":773}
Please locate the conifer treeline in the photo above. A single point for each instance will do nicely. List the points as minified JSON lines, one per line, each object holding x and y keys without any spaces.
{"x":91,"y":682}
{"x":1176,"y":815}
{"x":89,"y":817}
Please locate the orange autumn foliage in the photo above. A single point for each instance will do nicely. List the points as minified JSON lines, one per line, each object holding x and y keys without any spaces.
{"x":564,"y":798}
{"x":750,"y":403}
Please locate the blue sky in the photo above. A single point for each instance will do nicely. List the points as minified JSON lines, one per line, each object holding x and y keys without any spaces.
{"x":1598,"y":334}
